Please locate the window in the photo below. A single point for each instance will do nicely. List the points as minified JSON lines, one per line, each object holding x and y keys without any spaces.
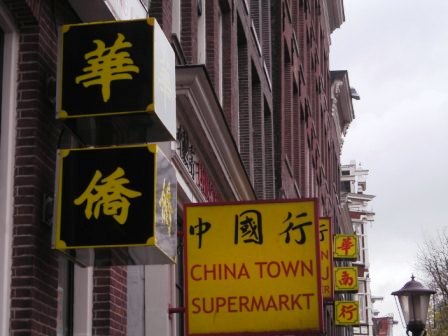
{"x":220,"y":56}
{"x":362,"y":298}
{"x":65,"y":297}
{"x":345,"y":186}
{"x":82,"y":300}
{"x":176,"y":18}
{"x":201,"y":32}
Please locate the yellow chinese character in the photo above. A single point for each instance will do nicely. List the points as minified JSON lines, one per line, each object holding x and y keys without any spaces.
{"x":107,"y":195}
{"x":165,"y":204}
{"x":107,"y":65}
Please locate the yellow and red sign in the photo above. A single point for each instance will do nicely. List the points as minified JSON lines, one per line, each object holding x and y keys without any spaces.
{"x":346,"y":313}
{"x":253,"y":268}
{"x":346,"y":279}
{"x":326,"y":258}
{"x":346,"y":246}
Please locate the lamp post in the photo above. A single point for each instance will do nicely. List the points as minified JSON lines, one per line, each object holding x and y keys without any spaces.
{"x":414,"y":303}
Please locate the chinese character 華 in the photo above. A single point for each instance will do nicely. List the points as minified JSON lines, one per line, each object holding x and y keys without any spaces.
{"x":106,"y":65}
{"x":346,"y":245}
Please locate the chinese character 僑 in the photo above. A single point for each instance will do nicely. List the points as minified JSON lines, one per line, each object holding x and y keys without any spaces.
{"x":107,"y":195}
{"x":165,"y":204}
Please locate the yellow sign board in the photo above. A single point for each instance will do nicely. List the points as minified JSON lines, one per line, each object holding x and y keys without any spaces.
{"x":346,"y":279}
{"x":346,"y":246}
{"x":326,"y":257}
{"x":346,"y":313}
{"x":252,"y":268}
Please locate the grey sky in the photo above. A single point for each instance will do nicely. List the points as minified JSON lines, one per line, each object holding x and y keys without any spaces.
{"x":396,"y":53}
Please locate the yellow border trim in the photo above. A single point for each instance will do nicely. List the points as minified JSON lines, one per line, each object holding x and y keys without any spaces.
{"x":154,"y":217}
{"x":152,"y":148}
{"x":151,"y":21}
{"x":63,"y":153}
{"x":150,"y":107}
{"x":64,"y":114}
{"x":110,"y":22}
{"x":147,"y":244}
{"x":59,"y":244}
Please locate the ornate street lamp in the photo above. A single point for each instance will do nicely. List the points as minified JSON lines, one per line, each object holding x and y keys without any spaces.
{"x":414,"y":302}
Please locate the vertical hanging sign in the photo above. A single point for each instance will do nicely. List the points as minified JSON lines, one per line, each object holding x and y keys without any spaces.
{"x":346,"y":313}
{"x":346,"y":246}
{"x":346,"y":279}
{"x":116,"y":197}
{"x":326,"y":257}
{"x":118,"y":68}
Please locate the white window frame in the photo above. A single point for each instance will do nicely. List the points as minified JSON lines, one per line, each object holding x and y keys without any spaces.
{"x":7,"y":153}
{"x":83,"y":301}
{"x":177,"y":19}
{"x":220,"y":56}
{"x":201,"y":35}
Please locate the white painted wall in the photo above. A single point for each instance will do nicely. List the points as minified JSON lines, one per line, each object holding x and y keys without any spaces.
{"x":159,"y":297}
{"x":83,"y":298}
{"x":7,"y":149}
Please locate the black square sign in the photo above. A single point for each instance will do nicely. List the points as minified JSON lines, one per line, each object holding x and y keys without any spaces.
{"x":106,"y":197}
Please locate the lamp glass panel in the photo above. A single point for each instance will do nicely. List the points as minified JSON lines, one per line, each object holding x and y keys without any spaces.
{"x":414,"y":307}
{"x":404,"y":304}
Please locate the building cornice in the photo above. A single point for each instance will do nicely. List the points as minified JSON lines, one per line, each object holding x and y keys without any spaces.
{"x":200,"y":114}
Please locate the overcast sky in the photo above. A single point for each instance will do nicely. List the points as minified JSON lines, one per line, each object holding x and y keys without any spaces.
{"x":396,"y":54}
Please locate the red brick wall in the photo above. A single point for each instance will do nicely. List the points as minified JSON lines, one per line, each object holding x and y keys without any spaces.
{"x":247,"y":96}
{"x":34,"y":265}
{"x":303,"y":114}
{"x":162,"y":11}
{"x":34,"y":274}
{"x":110,"y":301}
{"x":189,"y":30}
{"x":244,"y":110}
{"x":212,"y":38}
{"x":229,"y":72}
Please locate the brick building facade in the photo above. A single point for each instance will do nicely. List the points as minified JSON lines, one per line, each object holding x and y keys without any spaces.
{"x":258,"y":117}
